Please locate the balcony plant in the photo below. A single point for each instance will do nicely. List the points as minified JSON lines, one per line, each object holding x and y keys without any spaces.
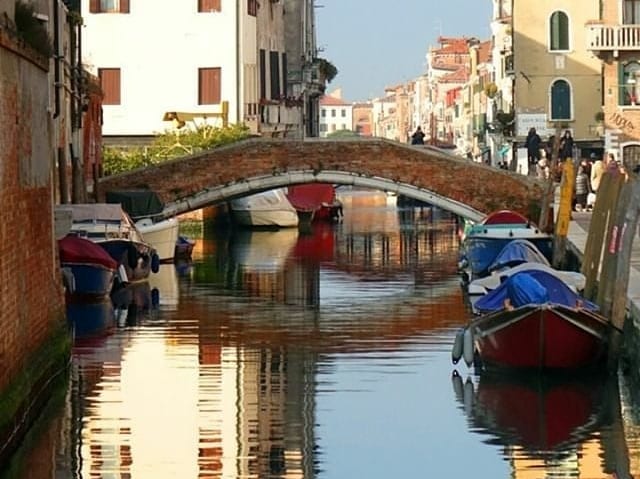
{"x":326,"y":69}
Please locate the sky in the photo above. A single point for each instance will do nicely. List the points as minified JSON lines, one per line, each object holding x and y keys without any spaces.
{"x":380,"y":43}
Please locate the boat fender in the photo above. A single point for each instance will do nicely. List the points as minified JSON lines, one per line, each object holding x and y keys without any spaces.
{"x":132,"y":256}
{"x":468,"y":347}
{"x":456,"y":351}
{"x":458,"y":387}
{"x":122,"y":274}
{"x":468,"y":396}
{"x":155,"y":263}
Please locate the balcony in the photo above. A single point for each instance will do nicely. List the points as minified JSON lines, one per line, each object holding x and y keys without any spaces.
{"x":613,"y":38}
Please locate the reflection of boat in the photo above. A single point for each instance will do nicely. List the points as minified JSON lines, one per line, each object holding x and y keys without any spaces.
{"x":534,"y":320}
{"x":537,"y":412}
{"x":143,"y":207}
{"x":112,"y":228}
{"x":483,"y":242}
{"x":184,"y":247}
{"x":90,"y":320}
{"x":264,"y":251}
{"x":316,"y":201}
{"x":269,"y":208}
{"x":133,"y":300}
{"x":92,"y":268}
{"x":165,"y":282}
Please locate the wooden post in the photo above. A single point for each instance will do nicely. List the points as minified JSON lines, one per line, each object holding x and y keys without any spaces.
{"x":564,"y":214}
{"x":548,"y":197}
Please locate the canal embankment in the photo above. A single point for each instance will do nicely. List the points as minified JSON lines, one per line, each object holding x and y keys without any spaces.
{"x":577,"y":240}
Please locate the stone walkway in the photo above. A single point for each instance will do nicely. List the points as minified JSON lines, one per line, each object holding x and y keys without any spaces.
{"x":578,"y":230}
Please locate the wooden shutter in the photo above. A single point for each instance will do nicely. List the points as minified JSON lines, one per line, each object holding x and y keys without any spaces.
{"x":209,"y":5}
{"x":285,"y":75}
{"x":209,"y":86}
{"x":274,"y":70}
{"x":94,"y":6}
{"x":263,"y":74}
{"x":124,"y":6}
{"x":110,"y":84}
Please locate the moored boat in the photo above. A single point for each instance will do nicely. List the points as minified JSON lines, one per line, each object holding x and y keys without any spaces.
{"x":92,"y":268}
{"x":533,"y":320}
{"x":110,"y":226}
{"x":266,"y":209}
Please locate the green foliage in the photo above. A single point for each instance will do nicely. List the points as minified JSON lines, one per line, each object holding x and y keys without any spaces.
{"x":31,"y":30}
{"x":326,"y":69}
{"x":169,"y":145}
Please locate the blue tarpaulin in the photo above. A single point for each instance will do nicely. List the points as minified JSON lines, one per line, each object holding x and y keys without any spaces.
{"x":531,"y":287}
{"x":517,"y":252}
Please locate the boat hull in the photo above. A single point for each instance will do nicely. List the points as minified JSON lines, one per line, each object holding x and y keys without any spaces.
{"x":91,"y":279}
{"x":137,"y":258}
{"x":541,"y":337}
{"x":277,"y":218}
{"x":162,"y":236}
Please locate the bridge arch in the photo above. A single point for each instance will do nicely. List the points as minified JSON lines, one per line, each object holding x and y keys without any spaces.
{"x":466,"y":188}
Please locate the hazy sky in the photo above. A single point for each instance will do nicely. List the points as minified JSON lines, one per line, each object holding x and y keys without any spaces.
{"x":379,"y":43}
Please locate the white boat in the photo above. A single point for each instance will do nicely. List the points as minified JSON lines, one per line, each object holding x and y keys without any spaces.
{"x":111,"y":227}
{"x":268,"y":208}
{"x":162,"y":235}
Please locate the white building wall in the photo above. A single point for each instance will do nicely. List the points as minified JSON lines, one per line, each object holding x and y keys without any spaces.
{"x":330,"y":124}
{"x":159,"y":47}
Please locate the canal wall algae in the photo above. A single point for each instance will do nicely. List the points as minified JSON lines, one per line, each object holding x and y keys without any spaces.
{"x":34,"y":339}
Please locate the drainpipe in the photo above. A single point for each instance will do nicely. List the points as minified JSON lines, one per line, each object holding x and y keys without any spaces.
{"x":238,"y":60}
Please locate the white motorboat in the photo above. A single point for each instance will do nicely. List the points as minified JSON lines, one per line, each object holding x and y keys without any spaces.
{"x":268,"y":208}
{"x":162,"y":235}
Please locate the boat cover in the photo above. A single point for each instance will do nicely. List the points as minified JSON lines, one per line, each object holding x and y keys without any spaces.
{"x":504,"y":217}
{"x":311,"y":196}
{"x":94,"y":212}
{"x":517,"y":252}
{"x":531,"y":287}
{"x":575,"y":280}
{"x":270,"y":200}
{"x":138,"y":203}
{"x":74,"y":249}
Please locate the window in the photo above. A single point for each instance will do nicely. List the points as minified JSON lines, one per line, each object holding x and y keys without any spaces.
{"x":285,"y":74}
{"x":333,"y":127}
{"x":631,"y":13}
{"x":559,"y":32}
{"x":252,"y":7}
{"x":631,"y":156}
{"x":344,"y":126}
{"x":323,"y":113}
{"x":343,"y":113}
{"x":323,"y":127}
{"x":109,"y":6}
{"x":560,"y":100}
{"x":274,"y":70}
{"x":263,"y":74}
{"x":209,"y":6}
{"x":209,"y":86}
{"x":333,"y":113}
{"x":110,"y":85}
{"x":629,"y":81}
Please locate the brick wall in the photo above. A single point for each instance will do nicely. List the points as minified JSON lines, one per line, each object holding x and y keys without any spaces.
{"x":484,"y":188}
{"x":31,"y":301}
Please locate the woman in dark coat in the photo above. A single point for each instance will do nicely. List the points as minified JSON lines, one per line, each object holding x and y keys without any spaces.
{"x":566,"y":146}
{"x":532,"y":144}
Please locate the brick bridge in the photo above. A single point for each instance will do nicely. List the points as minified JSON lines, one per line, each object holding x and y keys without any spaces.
{"x":463,"y":187}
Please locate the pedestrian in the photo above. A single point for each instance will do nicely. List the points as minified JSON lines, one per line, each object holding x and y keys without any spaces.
{"x":597,"y":170}
{"x":418,"y":137}
{"x":532,"y":144}
{"x":582,"y":189}
{"x":566,"y":146}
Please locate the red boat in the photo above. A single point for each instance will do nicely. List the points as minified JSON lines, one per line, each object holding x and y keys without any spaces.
{"x":505,"y":217}
{"x":315,"y":201}
{"x":533,"y":320}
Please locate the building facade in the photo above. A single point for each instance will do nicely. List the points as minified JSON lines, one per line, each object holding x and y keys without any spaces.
{"x":336,"y":114}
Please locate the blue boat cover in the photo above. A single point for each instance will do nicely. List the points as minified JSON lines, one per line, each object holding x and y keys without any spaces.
{"x":516,"y":252}
{"x":532,"y":287}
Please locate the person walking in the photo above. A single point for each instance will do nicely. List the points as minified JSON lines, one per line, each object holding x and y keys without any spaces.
{"x":532,"y":144}
{"x":597,"y":170}
{"x":566,"y":146}
{"x":418,"y":137}
{"x":582,"y":189}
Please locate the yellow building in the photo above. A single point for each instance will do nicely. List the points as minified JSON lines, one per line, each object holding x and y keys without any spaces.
{"x":557,"y":80}
{"x":614,"y":36}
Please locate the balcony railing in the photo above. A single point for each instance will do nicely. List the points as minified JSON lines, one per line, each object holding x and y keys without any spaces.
{"x":613,"y":38}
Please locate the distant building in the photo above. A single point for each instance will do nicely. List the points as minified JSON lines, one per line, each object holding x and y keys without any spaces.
{"x":335,"y":114}
{"x":363,"y":119}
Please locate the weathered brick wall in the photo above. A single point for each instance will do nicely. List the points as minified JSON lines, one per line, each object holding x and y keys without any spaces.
{"x":31,"y":300}
{"x":484,"y":188}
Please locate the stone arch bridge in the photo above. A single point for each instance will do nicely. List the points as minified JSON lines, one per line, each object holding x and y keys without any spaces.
{"x":466,"y":188}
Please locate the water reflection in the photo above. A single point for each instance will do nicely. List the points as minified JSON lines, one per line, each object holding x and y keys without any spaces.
{"x":549,"y":426}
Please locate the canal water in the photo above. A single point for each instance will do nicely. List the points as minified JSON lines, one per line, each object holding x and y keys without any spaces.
{"x":321,"y":353}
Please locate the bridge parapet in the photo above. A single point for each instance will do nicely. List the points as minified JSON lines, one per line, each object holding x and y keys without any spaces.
{"x":214,"y":176}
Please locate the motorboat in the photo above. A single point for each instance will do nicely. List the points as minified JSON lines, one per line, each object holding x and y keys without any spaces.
{"x":315,"y":201}
{"x":92,"y":268}
{"x":483,"y":242}
{"x":265,"y":209}
{"x":533,"y":320}
{"x":110,"y":226}
{"x":145,"y":208}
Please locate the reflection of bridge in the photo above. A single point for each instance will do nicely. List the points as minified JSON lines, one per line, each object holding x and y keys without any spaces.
{"x":465,"y":188}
